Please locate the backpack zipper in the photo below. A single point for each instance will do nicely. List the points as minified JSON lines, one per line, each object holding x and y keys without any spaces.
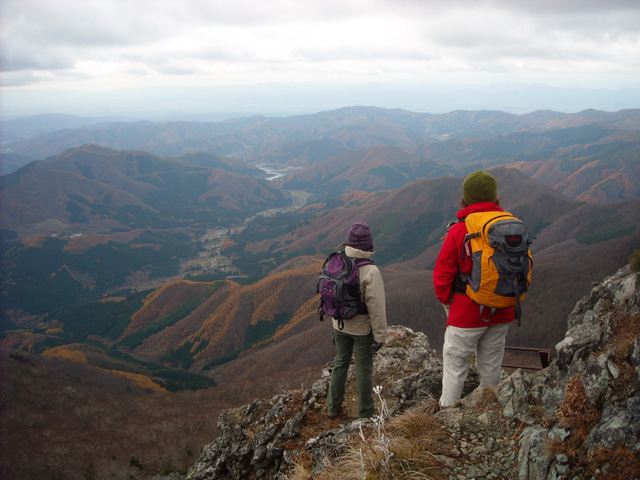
{"x":495,"y":218}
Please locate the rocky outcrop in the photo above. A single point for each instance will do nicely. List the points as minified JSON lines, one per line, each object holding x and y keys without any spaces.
{"x":587,"y":403}
{"x":258,"y":440}
{"x":574,"y":419}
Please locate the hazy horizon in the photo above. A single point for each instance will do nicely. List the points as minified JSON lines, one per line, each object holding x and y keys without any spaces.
{"x":219,"y":103}
{"x":144,"y":58}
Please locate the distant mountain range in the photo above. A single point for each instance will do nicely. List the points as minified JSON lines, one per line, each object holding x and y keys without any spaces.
{"x":150,"y":256}
{"x":301,"y":139}
{"x":591,"y":155}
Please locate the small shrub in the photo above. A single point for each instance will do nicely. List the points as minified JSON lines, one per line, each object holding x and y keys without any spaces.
{"x":634,"y":261}
{"x":576,"y":412}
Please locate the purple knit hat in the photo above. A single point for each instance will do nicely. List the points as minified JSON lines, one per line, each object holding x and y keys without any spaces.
{"x":360,"y":237}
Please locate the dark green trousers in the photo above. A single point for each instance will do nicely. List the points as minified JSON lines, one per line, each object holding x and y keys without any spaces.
{"x":345,"y":346}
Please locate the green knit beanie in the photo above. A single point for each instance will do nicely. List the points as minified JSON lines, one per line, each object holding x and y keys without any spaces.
{"x":479,"y":186}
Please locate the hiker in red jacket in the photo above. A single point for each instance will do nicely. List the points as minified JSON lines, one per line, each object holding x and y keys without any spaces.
{"x":470,"y":330}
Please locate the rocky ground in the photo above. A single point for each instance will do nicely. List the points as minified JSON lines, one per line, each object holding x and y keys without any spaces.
{"x":578,"y":418}
{"x":484,"y":442}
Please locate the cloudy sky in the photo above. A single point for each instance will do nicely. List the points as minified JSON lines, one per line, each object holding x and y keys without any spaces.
{"x":54,"y":51}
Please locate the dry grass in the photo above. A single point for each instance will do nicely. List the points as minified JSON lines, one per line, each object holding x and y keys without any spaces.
{"x":404,"y":448}
{"x":607,"y":464}
{"x":576,"y":413}
{"x":626,"y":328}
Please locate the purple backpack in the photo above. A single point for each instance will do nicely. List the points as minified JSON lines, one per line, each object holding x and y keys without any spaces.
{"x":339,"y":288}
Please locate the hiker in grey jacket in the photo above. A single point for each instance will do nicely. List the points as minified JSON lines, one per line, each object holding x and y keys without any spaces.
{"x":365,"y":333}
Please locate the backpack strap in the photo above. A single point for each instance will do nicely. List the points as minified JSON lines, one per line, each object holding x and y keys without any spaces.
{"x":493,"y":311}
{"x":362,"y":307}
{"x":457,"y":220}
{"x":363,"y":261}
{"x":518,"y":309}
{"x":321,"y":310}
{"x":459,"y":280}
{"x":451,"y":224}
{"x":524,"y":260}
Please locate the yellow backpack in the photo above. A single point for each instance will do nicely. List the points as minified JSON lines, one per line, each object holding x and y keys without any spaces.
{"x":497,"y":246}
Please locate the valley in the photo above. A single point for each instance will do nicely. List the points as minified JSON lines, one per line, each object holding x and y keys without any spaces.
{"x":210,"y":260}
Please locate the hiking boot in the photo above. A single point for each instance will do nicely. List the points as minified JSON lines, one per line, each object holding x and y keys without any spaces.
{"x":334,"y":414}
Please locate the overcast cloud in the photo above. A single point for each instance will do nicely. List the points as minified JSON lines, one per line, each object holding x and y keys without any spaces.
{"x":98,"y":45}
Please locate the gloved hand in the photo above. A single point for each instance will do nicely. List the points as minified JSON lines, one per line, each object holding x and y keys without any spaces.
{"x":446,"y":308}
{"x":376,"y":346}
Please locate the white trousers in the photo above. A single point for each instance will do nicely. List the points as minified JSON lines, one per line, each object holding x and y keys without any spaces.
{"x":460,"y":344}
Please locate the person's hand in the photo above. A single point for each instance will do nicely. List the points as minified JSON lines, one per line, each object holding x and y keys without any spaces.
{"x":376,"y":346}
{"x":446,"y":308}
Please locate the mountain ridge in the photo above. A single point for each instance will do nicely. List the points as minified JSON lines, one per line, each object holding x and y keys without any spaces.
{"x":96,"y":188}
{"x":255,"y":137}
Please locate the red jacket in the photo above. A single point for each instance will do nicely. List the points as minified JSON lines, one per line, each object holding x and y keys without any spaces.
{"x":464,"y":312}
